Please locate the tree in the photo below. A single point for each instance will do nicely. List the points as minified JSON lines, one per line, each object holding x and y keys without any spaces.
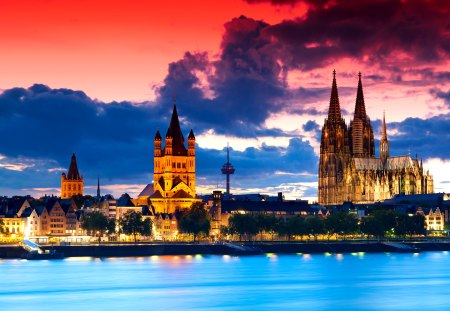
{"x":195,"y":221}
{"x":242,"y":224}
{"x":416,"y":225}
{"x":132,"y":224}
{"x":2,"y":227}
{"x":314,"y":226}
{"x":293,"y":226}
{"x":341,"y":223}
{"x":372,"y":226}
{"x":95,"y":223}
{"x":266,"y":223}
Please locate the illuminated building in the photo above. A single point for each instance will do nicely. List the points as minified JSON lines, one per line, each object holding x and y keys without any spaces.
{"x":72,"y":183}
{"x":348,"y":168}
{"x":174,"y":170}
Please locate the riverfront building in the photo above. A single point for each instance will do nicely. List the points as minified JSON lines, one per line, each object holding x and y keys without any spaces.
{"x":173,"y":170}
{"x":348,"y":167}
{"x":72,"y":183}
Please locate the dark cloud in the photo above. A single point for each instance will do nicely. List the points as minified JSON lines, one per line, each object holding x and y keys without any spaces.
{"x":311,"y":126}
{"x":49,"y":123}
{"x":41,"y":127}
{"x":426,"y":137}
{"x":246,"y":83}
{"x":437,"y":93}
{"x":370,"y":30}
{"x":312,"y":3}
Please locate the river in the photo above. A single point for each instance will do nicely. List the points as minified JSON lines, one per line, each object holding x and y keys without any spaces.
{"x":286,"y":282}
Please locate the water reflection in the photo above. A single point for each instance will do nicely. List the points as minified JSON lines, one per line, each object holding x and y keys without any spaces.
{"x":301,"y":281}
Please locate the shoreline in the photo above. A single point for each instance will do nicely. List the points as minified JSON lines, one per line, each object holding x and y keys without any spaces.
{"x":233,"y":249}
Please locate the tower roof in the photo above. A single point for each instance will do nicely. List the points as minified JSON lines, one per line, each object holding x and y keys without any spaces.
{"x":158,"y":135}
{"x":360,"y":107}
{"x":191,"y":135}
{"x":383,"y":129}
{"x":73,"y":169}
{"x":334,"y":112}
{"x":174,"y":131}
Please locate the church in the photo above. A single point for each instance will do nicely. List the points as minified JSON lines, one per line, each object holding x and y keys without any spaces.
{"x":72,"y":183}
{"x":173,"y":169}
{"x":348,"y":167}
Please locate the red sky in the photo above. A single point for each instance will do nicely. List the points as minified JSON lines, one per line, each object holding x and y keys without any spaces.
{"x":112,"y":50}
{"x":135,"y":51}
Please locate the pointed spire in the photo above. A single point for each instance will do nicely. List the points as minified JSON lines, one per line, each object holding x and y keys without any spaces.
{"x":191,"y":135}
{"x":98,"y":187}
{"x":73,"y":173}
{"x":360,"y":106}
{"x":334,"y":112}
{"x":383,"y":128}
{"x":158,"y":135}
{"x":174,"y":131}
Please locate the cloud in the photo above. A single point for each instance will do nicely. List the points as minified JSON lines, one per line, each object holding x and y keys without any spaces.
{"x":245,"y":83}
{"x":370,"y":31}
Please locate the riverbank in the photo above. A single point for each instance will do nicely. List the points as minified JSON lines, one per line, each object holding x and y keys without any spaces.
{"x":235,"y":249}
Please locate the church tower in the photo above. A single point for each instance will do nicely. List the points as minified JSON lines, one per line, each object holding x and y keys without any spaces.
{"x":72,"y":183}
{"x":173,"y":169}
{"x":362,"y":143}
{"x":384,"y":143}
{"x":334,"y":154}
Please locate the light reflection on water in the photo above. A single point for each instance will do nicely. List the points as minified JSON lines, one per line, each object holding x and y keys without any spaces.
{"x":357,"y":281}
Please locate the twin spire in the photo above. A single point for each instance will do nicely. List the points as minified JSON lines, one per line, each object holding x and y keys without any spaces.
{"x":360,"y":107}
{"x":334,"y":112}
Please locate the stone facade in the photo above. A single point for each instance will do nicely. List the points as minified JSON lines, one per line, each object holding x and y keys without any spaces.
{"x":348,"y":168}
{"x":72,"y":183}
{"x":174,"y":170}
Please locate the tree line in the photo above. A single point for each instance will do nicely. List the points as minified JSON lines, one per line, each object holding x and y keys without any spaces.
{"x":341,"y":225}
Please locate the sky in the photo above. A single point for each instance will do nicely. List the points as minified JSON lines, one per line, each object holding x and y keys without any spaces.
{"x":98,"y":78}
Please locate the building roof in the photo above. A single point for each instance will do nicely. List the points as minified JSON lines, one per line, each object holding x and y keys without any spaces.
{"x":174,"y":132}
{"x":73,"y":173}
{"x":289,"y":207}
{"x":147,"y":191}
{"x":191,"y":135}
{"x":181,"y":194}
{"x":156,"y":195}
{"x":392,"y":163}
{"x":158,"y":135}
{"x":125,"y":201}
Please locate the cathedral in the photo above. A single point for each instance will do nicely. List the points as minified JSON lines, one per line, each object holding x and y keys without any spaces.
{"x":348,"y":167}
{"x":72,"y":183}
{"x":173,"y":169}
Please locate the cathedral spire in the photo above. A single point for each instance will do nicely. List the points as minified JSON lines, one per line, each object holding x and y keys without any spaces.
{"x":383,"y":129}
{"x":360,"y":107}
{"x":384,"y":143}
{"x":334,"y":112}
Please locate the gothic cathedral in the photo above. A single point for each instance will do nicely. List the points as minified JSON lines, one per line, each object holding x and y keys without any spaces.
{"x":174,"y":169}
{"x":348,"y":168}
{"x":72,"y":183}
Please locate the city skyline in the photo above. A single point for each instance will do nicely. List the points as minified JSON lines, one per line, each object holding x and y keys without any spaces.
{"x":257,"y":76}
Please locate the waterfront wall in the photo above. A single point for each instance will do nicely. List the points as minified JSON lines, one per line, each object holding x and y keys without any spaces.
{"x":224,"y":249}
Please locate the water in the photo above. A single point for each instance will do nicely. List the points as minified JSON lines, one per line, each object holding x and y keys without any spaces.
{"x":286,"y":282}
